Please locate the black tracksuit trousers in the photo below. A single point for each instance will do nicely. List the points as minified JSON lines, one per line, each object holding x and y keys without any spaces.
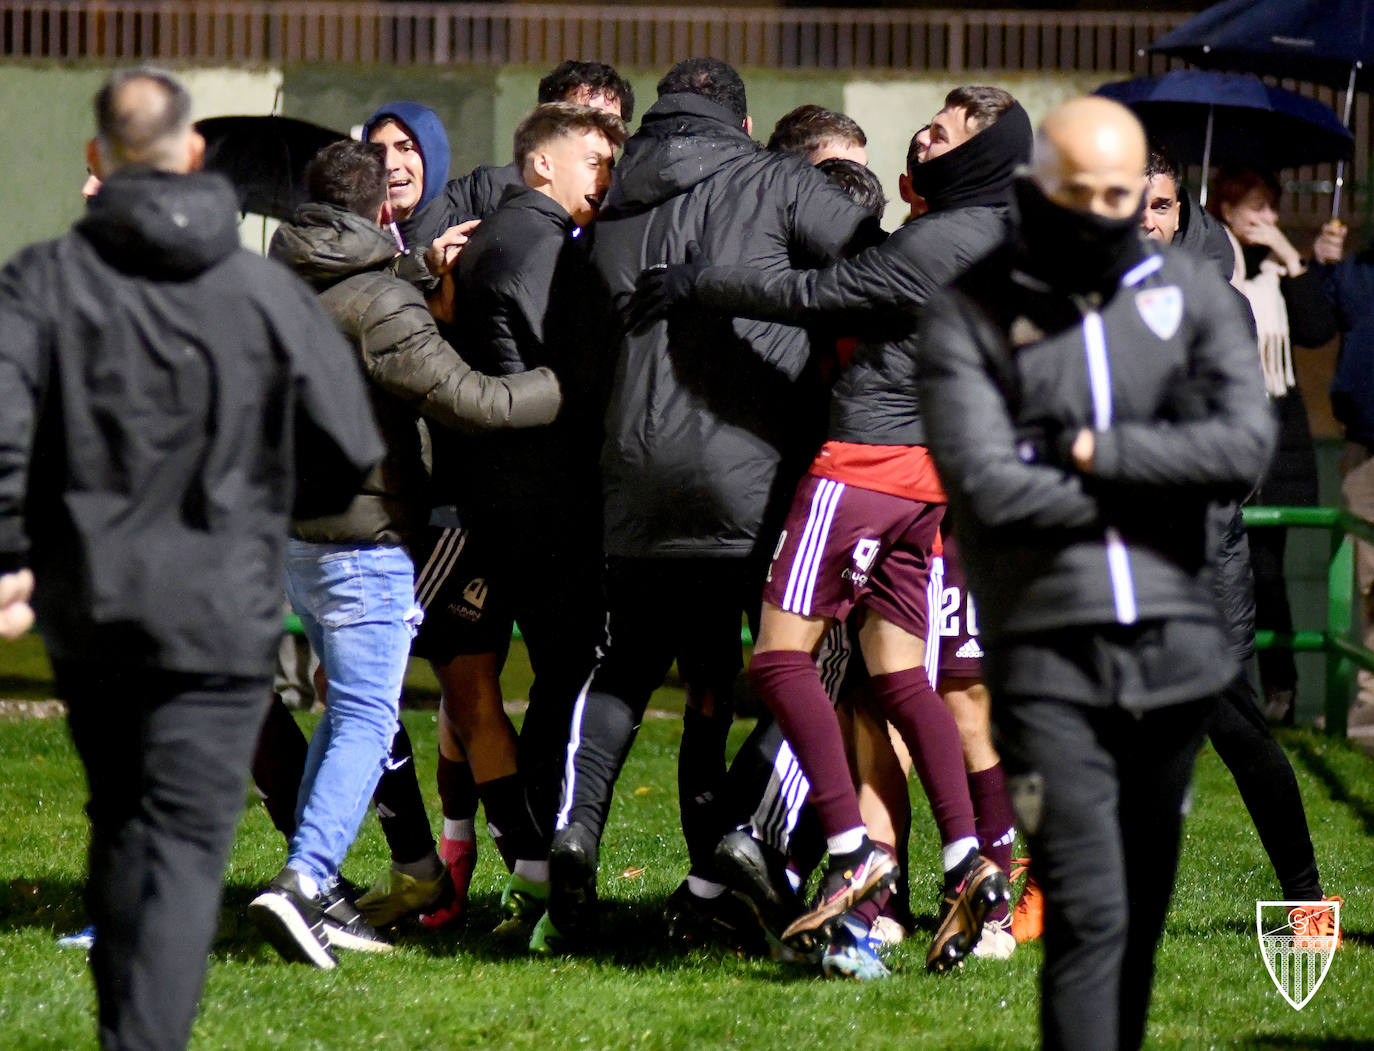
{"x":167,"y":759}
{"x":1099,"y":794}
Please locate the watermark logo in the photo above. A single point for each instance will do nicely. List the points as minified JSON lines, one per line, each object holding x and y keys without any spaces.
{"x":1298,"y":940}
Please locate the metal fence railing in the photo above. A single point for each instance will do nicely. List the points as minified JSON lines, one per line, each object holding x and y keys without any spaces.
{"x":953,"y":44}
{"x":543,"y":34}
{"x":1340,"y":640}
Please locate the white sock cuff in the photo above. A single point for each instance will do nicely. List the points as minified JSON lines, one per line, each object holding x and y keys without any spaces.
{"x":954,"y":853}
{"x":704,"y":888}
{"x":846,"y":842}
{"x":462,"y":829}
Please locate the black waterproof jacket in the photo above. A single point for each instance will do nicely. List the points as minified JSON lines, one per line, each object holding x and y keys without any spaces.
{"x":703,"y":406}
{"x":1162,"y":370}
{"x":477,"y":194}
{"x":1202,"y":235}
{"x":520,"y":294}
{"x":166,"y":394}
{"x":412,"y":371}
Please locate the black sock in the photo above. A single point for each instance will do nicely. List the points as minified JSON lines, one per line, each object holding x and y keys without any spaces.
{"x":504,"y":801}
{"x":279,"y":765}
{"x":852,"y":860}
{"x":400,"y":807}
{"x":700,"y":780}
{"x":457,"y":790}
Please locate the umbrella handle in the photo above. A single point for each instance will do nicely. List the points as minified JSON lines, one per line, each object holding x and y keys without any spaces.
{"x":1206,"y":158}
{"x":1340,"y":165}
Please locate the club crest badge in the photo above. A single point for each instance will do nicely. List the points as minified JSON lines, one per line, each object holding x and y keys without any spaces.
{"x":1161,"y":309}
{"x":1297,"y":940}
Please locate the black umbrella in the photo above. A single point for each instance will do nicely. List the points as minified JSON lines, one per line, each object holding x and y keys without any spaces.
{"x":265,"y":158}
{"x":1327,"y":42}
{"x":1201,"y":116}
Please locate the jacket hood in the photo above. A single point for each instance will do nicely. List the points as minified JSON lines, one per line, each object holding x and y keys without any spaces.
{"x":428,"y":132}
{"x":682,"y":140}
{"x":161,"y":224}
{"x":980,"y":170}
{"x":1202,"y":235}
{"x":324,"y":244}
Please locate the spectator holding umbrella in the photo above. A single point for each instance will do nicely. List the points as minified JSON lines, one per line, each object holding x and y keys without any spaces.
{"x":1290,"y":309}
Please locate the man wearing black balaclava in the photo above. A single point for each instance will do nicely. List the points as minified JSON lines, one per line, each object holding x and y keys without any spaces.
{"x":966,"y":157}
{"x":1087,"y":394}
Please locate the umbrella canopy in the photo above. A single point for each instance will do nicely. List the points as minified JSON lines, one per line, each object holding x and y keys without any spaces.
{"x":1321,"y":41}
{"x":1251,"y":123}
{"x":265,"y":158}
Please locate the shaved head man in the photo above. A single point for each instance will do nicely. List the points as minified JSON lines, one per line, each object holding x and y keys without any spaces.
{"x":1089,"y":155}
{"x":1080,"y":465}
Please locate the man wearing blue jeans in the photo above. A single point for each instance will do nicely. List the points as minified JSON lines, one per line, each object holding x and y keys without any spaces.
{"x":357,"y":608}
{"x":349,"y":575}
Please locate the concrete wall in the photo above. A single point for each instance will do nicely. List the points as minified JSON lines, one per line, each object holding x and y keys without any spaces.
{"x":40,"y":195}
{"x":480,"y":109}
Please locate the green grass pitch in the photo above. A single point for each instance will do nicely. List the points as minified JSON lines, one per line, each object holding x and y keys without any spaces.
{"x":471,"y":989}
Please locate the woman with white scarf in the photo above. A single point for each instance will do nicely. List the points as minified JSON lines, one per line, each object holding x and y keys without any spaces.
{"x":1290,"y":309}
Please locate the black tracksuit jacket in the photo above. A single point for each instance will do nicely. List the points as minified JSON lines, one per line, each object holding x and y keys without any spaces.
{"x":520,"y":295}
{"x":877,"y":296}
{"x":1161,"y":367}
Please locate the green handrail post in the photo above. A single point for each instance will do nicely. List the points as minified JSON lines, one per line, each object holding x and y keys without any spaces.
{"x":1340,"y":643}
{"x":1340,"y":622}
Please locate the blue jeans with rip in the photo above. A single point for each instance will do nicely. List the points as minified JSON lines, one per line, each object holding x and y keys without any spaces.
{"x":357,"y":606}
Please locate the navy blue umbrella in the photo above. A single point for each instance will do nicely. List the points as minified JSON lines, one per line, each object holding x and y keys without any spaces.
{"x":1202,"y":117}
{"x":1322,"y":41}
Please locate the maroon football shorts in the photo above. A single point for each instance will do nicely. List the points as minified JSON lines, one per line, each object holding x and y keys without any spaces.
{"x":843,"y":546}
{"x":961,"y":656}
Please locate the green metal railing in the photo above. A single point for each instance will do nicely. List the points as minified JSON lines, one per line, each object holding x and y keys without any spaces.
{"x":1341,"y":641}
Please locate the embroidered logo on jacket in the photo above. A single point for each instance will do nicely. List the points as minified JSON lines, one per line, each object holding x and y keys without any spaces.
{"x":1161,"y":309}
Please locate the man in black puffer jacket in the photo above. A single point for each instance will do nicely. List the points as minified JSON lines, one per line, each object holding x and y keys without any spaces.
{"x":349,"y":575}
{"x":164,"y":393}
{"x":523,"y":279}
{"x":701,"y":411}
{"x":1086,"y":399}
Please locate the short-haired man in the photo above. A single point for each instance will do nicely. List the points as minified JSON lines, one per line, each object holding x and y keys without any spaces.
{"x":349,"y":575}
{"x":522,"y":279}
{"x":1086,"y":399}
{"x":815,"y":134}
{"x":1238,"y":731}
{"x":159,"y":383}
{"x":478,"y":194}
{"x":700,"y":415}
{"x":1172,"y":216}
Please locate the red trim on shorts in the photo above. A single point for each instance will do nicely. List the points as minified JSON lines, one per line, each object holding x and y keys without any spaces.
{"x":898,"y":470}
